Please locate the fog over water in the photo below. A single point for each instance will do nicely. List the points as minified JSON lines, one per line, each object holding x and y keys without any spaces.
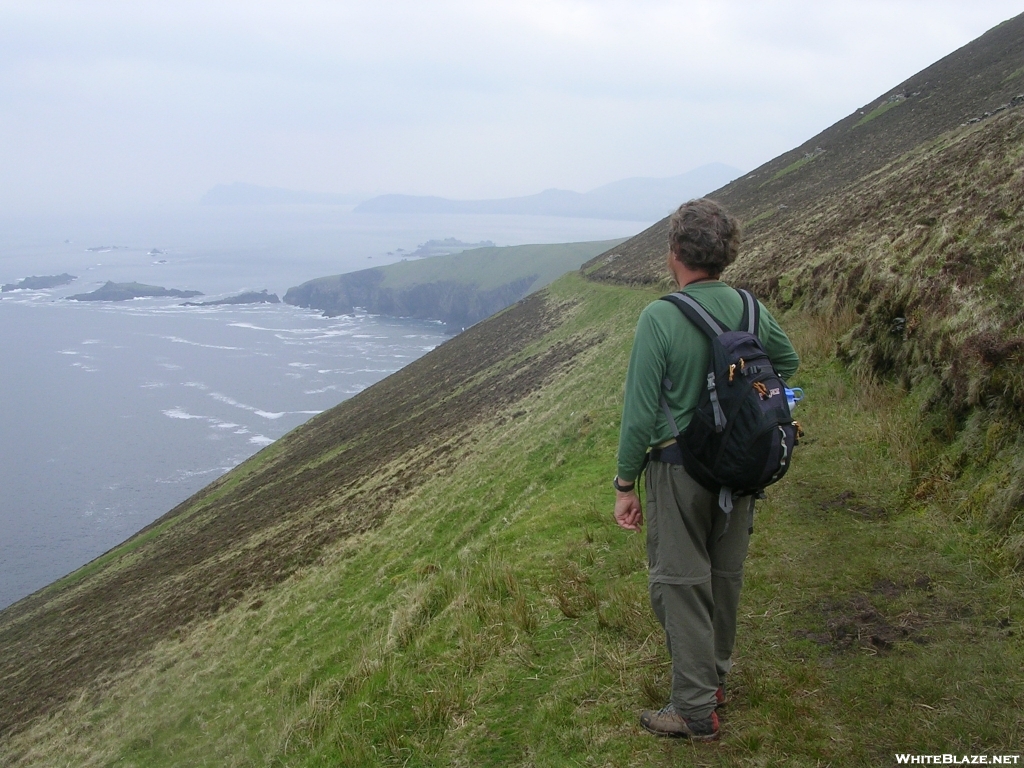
{"x":113,"y":413}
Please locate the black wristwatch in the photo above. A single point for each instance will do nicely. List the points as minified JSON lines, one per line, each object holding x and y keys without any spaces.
{"x":622,"y":488}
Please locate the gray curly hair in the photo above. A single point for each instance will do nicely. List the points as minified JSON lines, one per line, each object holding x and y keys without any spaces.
{"x":703,"y":235}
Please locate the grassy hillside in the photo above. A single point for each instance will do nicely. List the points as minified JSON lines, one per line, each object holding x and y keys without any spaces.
{"x":927,"y":254}
{"x":429,"y":573}
{"x":489,"y":612}
{"x":458,"y":289}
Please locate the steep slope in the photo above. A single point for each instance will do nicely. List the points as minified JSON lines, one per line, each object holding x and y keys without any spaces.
{"x":982,"y":77}
{"x":493,"y":615}
{"x":339,"y":475}
{"x":427,"y":574}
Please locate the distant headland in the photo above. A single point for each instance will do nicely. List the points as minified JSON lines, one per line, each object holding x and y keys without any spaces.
{"x":634,"y":199}
{"x":440,"y":248}
{"x":37,"y":283}
{"x":112,"y":291}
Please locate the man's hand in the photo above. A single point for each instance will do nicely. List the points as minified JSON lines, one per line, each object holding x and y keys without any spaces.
{"x":628,"y":512}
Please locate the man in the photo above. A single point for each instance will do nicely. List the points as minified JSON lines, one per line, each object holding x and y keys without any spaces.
{"x":695,"y":559}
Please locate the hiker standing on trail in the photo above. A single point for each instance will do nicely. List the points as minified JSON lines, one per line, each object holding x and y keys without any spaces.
{"x":695,"y":557}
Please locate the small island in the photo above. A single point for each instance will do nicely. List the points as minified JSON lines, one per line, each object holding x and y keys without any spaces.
{"x":249,"y":297}
{"x":444,"y":247}
{"x":112,"y":291}
{"x":38,"y":283}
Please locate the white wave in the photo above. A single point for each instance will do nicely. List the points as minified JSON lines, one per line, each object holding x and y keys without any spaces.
{"x":302,"y":365}
{"x":333,"y":334}
{"x":272,"y":415}
{"x":328,"y":388}
{"x":242,"y":431}
{"x":316,"y":334}
{"x":293,"y":331}
{"x":153,"y":385}
{"x":234,"y":403}
{"x":179,"y":340}
{"x":67,"y":352}
{"x":185,"y":474}
{"x":218,"y":424}
{"x":91,"y":341}
{"x":196,"y":385}
{"x":178,"y":413}
{"x":260,"y":440}
{"x":170,"y":366}
{"x":294,"y":375}
{"x":230,"y":401}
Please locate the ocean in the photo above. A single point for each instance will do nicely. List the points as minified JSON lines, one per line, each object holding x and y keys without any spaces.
{"x":112,"y":413}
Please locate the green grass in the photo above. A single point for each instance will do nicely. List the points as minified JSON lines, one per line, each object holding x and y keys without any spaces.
{"x":492,"y":267}
{"x":498,"y":617}
{"x":878,"y":111}
{"x":763,"y":216}
{"x":791,"y":168}
{"x":1013,"y":75}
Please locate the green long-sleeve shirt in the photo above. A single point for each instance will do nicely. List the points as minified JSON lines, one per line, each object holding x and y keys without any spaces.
{"x":668,"y":345}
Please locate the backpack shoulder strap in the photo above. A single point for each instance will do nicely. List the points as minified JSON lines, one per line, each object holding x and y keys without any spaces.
{"x":751,"y":312}
{"x":696,"y":314}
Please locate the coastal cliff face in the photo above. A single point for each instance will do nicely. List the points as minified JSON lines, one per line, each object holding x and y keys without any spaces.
{"x":457,"y":305}
{"x":457,"y":289}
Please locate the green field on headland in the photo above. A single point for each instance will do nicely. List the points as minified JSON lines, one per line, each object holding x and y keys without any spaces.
{"x":458,"y":289}
{"x":429,"y":574}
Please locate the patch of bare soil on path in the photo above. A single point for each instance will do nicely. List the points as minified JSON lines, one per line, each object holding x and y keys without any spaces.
{"x":877,"y":621}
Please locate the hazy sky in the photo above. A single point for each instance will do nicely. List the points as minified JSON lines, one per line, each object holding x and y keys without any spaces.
{"x":139,"y":104}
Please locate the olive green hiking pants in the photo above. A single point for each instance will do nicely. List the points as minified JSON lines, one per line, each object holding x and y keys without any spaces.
{"x":695,"y":576}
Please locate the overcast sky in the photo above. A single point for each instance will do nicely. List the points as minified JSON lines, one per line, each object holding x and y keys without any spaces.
{"x":136,"y":104}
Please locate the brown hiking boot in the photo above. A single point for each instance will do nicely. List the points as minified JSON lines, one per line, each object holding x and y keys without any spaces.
{"x":667,"y":722}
